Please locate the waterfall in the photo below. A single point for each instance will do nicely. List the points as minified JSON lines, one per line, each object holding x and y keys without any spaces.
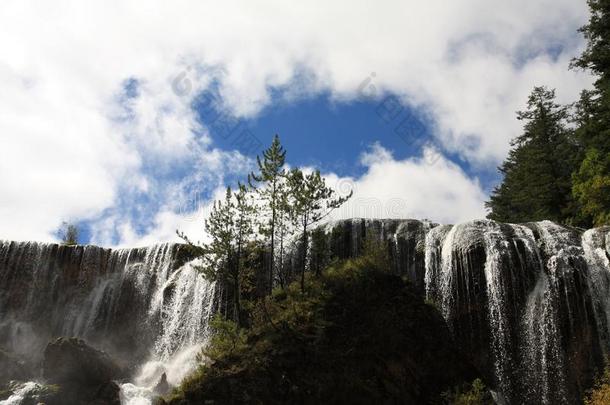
{"x":184,"y":311}
{"x":138,"y":304}
{"x":22,"y":392}
{"x":529,"y":304}
{"x":596,"y":247}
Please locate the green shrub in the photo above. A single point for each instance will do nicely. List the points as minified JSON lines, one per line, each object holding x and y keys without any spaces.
{"x":600,"y":394}
{"x":227,"y":340}
{"x":469,"y":394}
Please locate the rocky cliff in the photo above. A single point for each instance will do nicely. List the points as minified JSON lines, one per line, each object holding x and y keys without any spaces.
{"x":132,"y":302}
{"x":528,"y":303}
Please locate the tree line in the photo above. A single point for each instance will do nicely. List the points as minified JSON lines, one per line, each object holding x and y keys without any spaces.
{"x":559,"y":167}
{"x":275,"y":208}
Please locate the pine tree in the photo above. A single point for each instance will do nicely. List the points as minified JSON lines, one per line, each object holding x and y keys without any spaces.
{"x":537,"y":173}
{"x":69,"y":234}
{"x":592,"y":186}
{"x":591,"y":182}
{"x":320,"y":255}
{"x":312,"y":201}
{"x":268,"y":185}
{"x":230,"y":227}
{"x":244,"y":211}
{"x":284,"y":230}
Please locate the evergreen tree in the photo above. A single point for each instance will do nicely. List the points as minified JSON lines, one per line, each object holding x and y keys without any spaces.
{"x":69,"y":234}
{"x":283,"y":230}
{"x":244,"y":211}
{"x":230,"y":227}
{"x":592,"y":186}
{"x":537,"y":173}
{"x":311,"y":201}
{"x":591,"y":182}
{"x":268,"y":185}
{"x":320,"y":256}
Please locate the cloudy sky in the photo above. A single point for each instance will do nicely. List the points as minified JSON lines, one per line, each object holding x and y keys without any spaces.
{"x":128,"y":117}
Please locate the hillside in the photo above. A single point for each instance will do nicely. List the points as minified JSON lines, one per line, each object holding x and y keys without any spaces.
{"x":359,"y":335}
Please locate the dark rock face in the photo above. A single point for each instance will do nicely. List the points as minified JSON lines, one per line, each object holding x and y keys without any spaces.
{"x":119,"y":299}
{"x":107,"y":394}
{"x":72,"y":361}
{"x":83,"y":373}
{"x":529,"y":304}
{"x":403,"y":238}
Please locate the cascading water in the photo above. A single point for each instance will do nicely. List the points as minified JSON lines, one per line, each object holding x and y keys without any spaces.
{"x":135,"y":303}
{"x":21,"y":392}
{"x":528,"y":304}
{"x":523,"y":301}
{"x":596,"y":247}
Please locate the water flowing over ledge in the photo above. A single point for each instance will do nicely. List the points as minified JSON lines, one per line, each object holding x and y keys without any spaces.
{"x":529,"y":304}
{"x":139,"y":304}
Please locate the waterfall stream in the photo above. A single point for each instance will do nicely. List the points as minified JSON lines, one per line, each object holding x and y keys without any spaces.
{"x":529,"y":304}
{"x":546,"y":293}
{"x":134,"y":303}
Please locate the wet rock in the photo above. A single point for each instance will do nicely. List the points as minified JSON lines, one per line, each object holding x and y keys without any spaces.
{"x":108,"y":394}
{"x":162,"y":387}
{"x":82,"y":372}
{"x":403,"y":238}
{"x":48,"y":288}
{"x":71,"y":360}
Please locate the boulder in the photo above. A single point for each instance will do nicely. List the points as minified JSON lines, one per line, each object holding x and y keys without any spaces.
{"x":71,"y":360}
{"x":85,"y":374}
{"x":107,"y":394}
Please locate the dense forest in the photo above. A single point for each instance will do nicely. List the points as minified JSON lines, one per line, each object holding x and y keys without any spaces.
{"x":559,"y":167}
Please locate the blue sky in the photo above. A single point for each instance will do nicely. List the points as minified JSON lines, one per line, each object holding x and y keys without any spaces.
{"x":410,"y":104}
{"x":317,"y":132}
{"x":331,"y":135}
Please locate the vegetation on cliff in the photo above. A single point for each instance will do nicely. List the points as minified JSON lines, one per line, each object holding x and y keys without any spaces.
{"x":600,"y":393}
{"x":356,"y":335}
{"x":275,"y":205}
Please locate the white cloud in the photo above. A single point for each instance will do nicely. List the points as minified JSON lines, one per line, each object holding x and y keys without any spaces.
{"x":72,"y":147}
{"x":375,"y":154}
{"x":428,"y":186}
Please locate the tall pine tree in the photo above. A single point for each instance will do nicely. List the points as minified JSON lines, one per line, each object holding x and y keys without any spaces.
{"x":311,"y":201}
{"x":230,"y":227}
{"x":537,"y":173}
{"x":268,"y":185}
{"x":591,"y":181}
